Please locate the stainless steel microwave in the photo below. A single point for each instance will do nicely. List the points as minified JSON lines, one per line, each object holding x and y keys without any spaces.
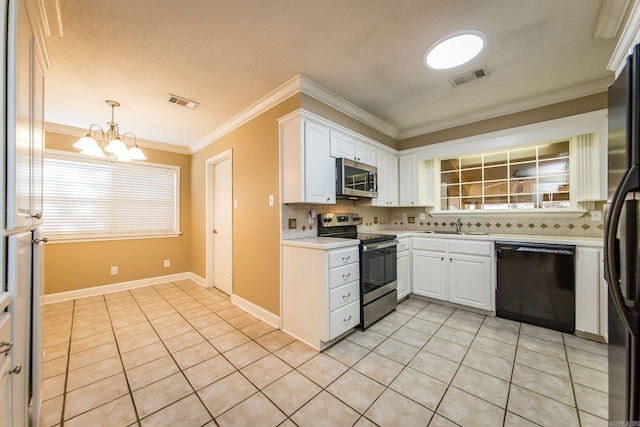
{"x":355,"y":180}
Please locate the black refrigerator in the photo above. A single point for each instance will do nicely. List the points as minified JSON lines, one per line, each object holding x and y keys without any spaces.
{"x":621,"y":243}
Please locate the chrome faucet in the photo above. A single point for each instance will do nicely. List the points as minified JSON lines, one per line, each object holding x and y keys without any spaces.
{"x":458,"y":225}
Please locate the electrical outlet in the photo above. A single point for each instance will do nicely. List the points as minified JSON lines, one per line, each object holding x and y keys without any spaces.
{"x":270,"y":199}
{"x":114,"y":270}
{"x":596,"y":215}
{"x":423,"y":216}
{"x":404,"y":216}
{"x":167,"y":263}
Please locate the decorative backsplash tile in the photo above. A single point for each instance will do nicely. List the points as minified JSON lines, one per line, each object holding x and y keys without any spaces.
{"x":378,"y":218}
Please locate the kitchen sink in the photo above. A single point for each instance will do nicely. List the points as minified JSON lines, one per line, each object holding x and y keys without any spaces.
{"x":459,"y":233}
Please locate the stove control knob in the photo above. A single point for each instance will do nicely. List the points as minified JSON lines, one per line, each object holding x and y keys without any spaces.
{"x":356,"y":218}
{"x":327,"y":219}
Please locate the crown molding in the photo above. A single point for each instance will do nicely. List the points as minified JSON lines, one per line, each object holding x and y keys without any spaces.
{"x":314,"y":90}
{"x":579,"y":91}
{"x":629,"y":37}
{"x":610,"y":18}
{"x":286,"y":90}
{"x":296,"y":84}
{"x":80,"y":132}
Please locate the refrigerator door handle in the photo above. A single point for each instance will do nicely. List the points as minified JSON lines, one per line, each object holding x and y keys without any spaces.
{"x":627,"y":185}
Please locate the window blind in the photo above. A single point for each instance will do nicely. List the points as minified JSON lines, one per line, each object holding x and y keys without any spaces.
{"x":93,"y":198}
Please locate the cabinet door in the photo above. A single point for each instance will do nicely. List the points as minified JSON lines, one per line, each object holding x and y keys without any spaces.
{"x":365,"y":153}
{"x":19,"y":120}
{"x":6,"y":379}
{"x":343,"y":146}
{"x":588,"y":290}
{"x":37,"y":142}
{"x":319,"y":165}
{"x":408,"y":181}
{"x":391,"y":180}
{"x":470,"y":280}
{"x":404,"y":275}
{"x":429,"y":274}
{"x":19,"y":275}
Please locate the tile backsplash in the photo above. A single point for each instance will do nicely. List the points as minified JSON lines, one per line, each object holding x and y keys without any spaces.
{"x":379,"y":218}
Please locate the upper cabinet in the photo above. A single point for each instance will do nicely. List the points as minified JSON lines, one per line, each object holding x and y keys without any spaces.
{"x":408,"y":181}
{"x":308,"y":171}
{"x":347,"y":146}
{"x":25,"y":119}
{"x":387,"y":164}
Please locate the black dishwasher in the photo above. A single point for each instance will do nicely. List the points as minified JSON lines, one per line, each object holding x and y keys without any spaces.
{"x":536,"y":284}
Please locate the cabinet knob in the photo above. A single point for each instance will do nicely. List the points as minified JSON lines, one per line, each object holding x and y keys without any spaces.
{"x":40,"y":241}
{"x":16,"y":370}
{"x":441,"y":258}
{"x":37,"y":216}
{"x":215,"y":231}
{"x":5,"y":347}
{"x":328,"y":199}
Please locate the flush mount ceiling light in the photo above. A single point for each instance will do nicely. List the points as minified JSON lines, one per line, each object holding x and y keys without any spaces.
{"x":455,"y":49}
{"x":112,"y":142}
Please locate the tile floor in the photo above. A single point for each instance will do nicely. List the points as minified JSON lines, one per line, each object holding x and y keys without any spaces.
{"x":177,"y":354}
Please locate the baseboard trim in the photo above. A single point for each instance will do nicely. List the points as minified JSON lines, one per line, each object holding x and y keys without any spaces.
{"x":122,"y":286}
{"x":199,"y":280}
{"x":259,"y":312}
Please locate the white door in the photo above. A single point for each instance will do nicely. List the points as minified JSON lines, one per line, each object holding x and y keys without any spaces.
{"x":222,"y":226}
{"x":19,"y":287}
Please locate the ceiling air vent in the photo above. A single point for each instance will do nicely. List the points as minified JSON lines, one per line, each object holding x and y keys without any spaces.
{"x":469,"y":76}
{"x":184,"y":102}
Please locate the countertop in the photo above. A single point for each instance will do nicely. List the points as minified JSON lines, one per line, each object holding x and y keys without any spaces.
{"x":333,"y":243}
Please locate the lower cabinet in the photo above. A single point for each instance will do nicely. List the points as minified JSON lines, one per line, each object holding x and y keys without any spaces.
{"x":459,"y":271}
{"x":320,"y":292}
{"x":404,"y":267}
{"x":591,"y":292}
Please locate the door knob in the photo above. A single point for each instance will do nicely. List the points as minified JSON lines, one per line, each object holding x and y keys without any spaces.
{"x":215,"y":231}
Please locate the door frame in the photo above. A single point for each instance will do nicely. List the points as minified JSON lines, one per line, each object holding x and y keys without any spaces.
{"x":210,"y":197}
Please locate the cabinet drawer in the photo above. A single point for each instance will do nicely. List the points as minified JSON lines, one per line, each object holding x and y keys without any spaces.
{"x":430,"y":244}
{"x":342,"y":275}
{"x":343,"y":319}
{"x":339,"y":297}
{"x":404,"y":245}
{"x":5,"y":331}
{"x":343,"y":257}
{"x":472,"y":247}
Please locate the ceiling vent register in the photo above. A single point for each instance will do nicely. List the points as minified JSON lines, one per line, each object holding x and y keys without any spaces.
{"x":184,"y":102}
{"x":469,"y":76}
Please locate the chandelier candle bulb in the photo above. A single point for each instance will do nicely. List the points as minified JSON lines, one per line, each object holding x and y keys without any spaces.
{"x":112,"y":142}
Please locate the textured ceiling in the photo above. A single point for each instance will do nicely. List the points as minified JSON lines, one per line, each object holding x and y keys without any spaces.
{"x":227,"y":54}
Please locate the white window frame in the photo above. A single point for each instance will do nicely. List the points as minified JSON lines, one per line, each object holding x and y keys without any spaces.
{"x":98,"y":235}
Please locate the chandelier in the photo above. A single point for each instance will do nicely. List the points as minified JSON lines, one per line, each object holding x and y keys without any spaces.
{"x":112,"y":142}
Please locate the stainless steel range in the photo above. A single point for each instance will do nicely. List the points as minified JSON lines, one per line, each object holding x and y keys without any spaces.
{"x":378,"y":264}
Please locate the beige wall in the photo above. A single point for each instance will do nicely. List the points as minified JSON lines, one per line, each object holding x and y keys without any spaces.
{"x":536,"y":115}
{"x":73,"y":266}
{"x":256,"y":225}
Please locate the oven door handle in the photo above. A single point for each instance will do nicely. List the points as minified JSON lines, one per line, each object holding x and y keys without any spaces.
{"x":380,"y":245}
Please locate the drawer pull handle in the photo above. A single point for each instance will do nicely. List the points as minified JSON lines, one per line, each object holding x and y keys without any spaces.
{"x":346,"y":297}
{"x":16,"y":370}
{"x":345,"y":277}
{"x":345,"y":259}
{"x":347,"y":320}
{"x":5,"y":347}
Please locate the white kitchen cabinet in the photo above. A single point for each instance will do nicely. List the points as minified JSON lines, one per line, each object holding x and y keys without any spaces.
{"x":25,"y":122}
{"x":387,"y":164}
{"x":6,"y":383}
{"x":320,"y":292}
{"x":308,"y":170}
{"x":349,"y":147}
{"x":404,"y":267}
{"x":591,"y":292}
{"x":408,"y":181}
{"x":455,"y":270}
